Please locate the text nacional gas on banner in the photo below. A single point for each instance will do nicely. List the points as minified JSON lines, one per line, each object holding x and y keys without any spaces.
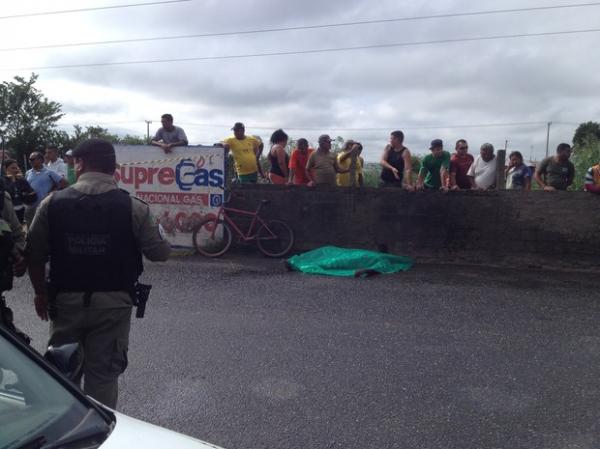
{"x":181,"y":187}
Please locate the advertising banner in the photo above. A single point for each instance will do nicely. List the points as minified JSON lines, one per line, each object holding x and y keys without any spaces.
{"x":181,"y":187}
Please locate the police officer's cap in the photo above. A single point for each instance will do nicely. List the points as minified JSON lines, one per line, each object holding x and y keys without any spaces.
{"x":94,"y":147}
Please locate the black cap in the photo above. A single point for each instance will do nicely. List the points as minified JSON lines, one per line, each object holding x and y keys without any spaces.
{"x":238,"y":125}
{"x":436,"y":143}
{"x":94,"y":147}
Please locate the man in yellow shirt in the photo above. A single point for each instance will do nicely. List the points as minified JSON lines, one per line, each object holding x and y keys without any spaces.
{"x":246,"y":153}
{"x":345,"y":162}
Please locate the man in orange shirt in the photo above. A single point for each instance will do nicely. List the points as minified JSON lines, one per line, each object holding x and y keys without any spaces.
{"x":298,"y":162}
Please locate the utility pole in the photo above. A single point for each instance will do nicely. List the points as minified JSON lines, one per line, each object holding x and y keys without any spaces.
{"x":148,"y":130}
{"x":548,"y":137}
{"x":500,"y":169}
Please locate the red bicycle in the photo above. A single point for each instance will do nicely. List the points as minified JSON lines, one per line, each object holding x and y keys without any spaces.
{"x":213,"y":236}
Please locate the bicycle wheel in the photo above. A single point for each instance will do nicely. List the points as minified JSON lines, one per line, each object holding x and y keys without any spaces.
{"x":275,"y":238}
{"x":211,"y":244}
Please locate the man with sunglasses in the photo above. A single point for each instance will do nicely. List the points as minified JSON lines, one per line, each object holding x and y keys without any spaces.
{"x":460,"y":162}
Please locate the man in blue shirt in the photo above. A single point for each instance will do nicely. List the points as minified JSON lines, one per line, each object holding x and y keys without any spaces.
{"x":43,"y":181}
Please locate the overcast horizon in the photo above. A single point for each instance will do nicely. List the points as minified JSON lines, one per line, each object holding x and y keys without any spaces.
{"x":445,"y":90}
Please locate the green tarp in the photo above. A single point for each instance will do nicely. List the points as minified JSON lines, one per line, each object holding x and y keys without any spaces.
{"x":334,"y":261}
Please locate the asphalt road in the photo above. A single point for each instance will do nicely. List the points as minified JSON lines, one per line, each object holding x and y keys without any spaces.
{"x":243,"y":354}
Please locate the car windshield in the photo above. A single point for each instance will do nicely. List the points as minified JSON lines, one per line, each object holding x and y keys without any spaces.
{"x":33,"y":405}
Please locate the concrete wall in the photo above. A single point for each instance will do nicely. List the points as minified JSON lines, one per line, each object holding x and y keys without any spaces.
{"x":503,"y":227}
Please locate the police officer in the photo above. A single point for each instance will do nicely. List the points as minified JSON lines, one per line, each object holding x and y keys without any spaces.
{"x":94,"y":235}
{"x":12,"y":243}
{"x":11,"y":227}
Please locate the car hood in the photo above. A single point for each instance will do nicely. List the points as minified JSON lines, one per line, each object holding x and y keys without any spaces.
{"x":130,"y":433}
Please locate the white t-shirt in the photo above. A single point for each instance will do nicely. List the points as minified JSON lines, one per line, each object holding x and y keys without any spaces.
{"x":483,"y":172}
{"x":58,"y":166}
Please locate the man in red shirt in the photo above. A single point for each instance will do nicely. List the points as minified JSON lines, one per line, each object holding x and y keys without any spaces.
{"x":459,"y":166}
{"x":298,"y":162}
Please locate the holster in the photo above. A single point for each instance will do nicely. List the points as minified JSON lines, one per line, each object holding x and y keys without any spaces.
{"x":139,"y":295}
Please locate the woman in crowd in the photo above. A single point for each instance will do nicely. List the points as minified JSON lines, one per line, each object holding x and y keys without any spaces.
{"x":278,"y":158}
{"x":518,"y":175}
{"x":18,"y":188}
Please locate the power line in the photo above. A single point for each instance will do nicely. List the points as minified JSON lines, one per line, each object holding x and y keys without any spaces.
{"x":98,"y":8}
{"x":294,"y":28}
{"x":304,"y":52}
{"x":334,"y":128}
{"x":411,"y":127}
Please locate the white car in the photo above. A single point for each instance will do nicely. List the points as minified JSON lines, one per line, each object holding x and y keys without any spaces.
{"x":41,"y":409}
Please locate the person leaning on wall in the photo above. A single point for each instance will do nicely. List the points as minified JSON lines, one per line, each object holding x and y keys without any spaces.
{"x":556,"y":172}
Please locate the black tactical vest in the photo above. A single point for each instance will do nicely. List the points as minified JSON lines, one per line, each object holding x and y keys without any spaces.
{"x":6,"y":246}
{"x":92,"y":247}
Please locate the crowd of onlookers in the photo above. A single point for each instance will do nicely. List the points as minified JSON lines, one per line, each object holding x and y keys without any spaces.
{"x":439,"y":170}
{"x":48,"y":172}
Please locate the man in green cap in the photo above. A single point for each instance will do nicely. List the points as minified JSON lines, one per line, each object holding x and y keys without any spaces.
{"x":94,"y":235}
{"x":435,"y":167}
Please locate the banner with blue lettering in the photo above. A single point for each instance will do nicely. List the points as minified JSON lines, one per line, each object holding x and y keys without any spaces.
{"x":181,"y":187}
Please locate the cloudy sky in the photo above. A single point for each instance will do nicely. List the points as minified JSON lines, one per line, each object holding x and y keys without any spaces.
{"x":442,"y":90}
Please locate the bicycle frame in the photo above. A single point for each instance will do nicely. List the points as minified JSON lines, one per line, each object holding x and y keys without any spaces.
{"x":252,"y":229}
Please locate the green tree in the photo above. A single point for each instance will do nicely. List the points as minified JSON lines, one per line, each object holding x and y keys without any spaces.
{"x":585,"y":132}
{"x":416,"y":163}
{"x":97,"y":132}
{"x":291,"y":145}
{"x":27,"y":118}
{"x":586,"y":154}
{"x":132,"y":140}
{"x":337,"y":144}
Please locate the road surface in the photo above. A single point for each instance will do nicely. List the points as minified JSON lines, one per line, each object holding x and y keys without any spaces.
{"x":243,"y":354}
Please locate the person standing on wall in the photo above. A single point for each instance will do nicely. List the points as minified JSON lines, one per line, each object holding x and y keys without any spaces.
{"x":434,"y":168}
{"x":556,"y":172}
{"x":351,"y":150}
{"x":322,"y":165}
{"x":246,"y":153}
{"x":169,"y":136}
{"x":278,"y":158}
{"x":94,"y":235}
{"x":298,"y":162}
{"x":483,"y":171}
{"x":518,"y":175}
{"x":460,"y":162}
{"x":592,"y":179}
{"x":396,"y":163}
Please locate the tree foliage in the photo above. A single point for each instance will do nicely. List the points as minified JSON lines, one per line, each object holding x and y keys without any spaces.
{"x":586,"y":155}
{"x":28,"y":121}
{"x":585,"y":132}
{"x":27,"y":118}
{"x":97,"y":132}
{"x":586,"y":151}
